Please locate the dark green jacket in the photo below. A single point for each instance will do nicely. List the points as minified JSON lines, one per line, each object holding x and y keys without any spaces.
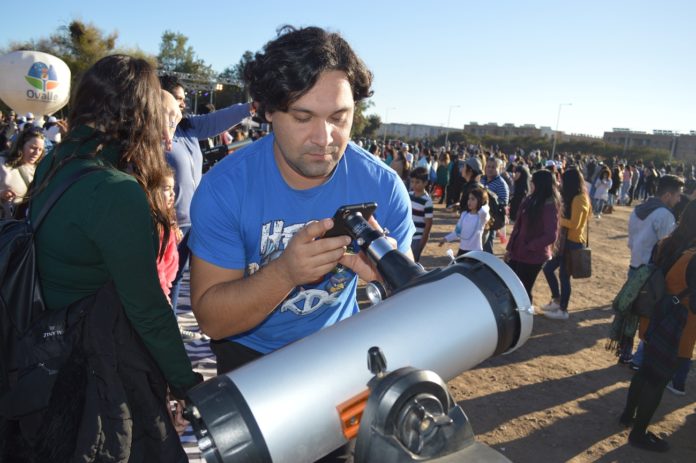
{"x":102,"y":230}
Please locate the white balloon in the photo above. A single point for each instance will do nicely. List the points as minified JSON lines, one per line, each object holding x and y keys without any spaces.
{"x":32,"y":81}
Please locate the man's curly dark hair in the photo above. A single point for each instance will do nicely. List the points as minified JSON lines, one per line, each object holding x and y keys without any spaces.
{"x":289,"y":66}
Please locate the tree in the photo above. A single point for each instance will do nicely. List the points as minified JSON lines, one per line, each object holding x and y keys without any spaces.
{"x":361,"y":121}
{"x":79,"y":44}
{"x":176,"y":56}
{"x":233,"y":93}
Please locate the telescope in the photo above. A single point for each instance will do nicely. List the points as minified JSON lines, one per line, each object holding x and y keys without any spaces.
{"x":315,"y":395}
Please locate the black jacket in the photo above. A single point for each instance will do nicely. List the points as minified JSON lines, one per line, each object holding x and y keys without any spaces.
{"x":109,"y":399}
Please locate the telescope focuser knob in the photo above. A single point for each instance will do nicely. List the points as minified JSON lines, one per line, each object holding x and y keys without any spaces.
{"x":376,"y":362}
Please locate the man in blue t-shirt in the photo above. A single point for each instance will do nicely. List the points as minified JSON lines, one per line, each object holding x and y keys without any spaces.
{"x":262,"y":274}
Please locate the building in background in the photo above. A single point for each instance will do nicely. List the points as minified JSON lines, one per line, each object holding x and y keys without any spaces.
{"x":680,"y":146}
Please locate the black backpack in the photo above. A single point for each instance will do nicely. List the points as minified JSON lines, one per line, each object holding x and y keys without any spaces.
{"x":21,"y":302}
{"x":497,"y":211}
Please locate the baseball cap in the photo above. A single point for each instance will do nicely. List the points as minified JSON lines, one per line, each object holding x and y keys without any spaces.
{"x":52,"y":120}
{"x":474,"y":164}
{"x":30,"y":116}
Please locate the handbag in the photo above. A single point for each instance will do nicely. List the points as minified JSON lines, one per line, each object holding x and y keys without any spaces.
{"x":579,"y":261}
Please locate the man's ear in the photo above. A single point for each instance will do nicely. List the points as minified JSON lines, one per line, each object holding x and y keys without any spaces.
{"x":268,"y":116}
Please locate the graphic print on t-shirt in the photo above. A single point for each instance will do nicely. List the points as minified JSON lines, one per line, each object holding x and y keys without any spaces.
{"x":308,"y":298}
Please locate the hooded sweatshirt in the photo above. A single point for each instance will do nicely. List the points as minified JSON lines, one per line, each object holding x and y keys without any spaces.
{"x":649,"y":223}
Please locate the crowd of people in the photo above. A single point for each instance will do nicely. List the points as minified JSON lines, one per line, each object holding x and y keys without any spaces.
{"x":125,"y":234}
{"x":551,"y":203}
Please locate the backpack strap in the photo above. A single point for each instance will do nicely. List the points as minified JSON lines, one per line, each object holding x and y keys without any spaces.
{"x":58,"y":192}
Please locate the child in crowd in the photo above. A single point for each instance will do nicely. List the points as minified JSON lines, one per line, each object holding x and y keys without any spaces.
{"x":472,"y":222}
{"x":421,"y":210}
{"x":601,"y":191}
{"x":168,"y":259}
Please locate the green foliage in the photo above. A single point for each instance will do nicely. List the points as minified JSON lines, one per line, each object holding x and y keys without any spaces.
{"x":360,"y":121}
{"x":79,"y":44}
{"x":177,"y":56}
{"x":231,"y":94}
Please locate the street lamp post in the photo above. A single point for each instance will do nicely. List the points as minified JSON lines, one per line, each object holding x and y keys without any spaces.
{"x":449,"y":114}
{"x":386,"y":116}
{"x":555,"y":133}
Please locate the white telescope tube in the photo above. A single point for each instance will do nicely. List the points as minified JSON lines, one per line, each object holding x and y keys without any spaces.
{"x":449,"y":322}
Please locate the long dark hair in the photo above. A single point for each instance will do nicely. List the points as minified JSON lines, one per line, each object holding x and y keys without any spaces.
{"x":120,"y":96}
{"x":290,"y":65}
{"x":15,"y":157}
{"x":545,"y":189}
{"x":521,"y":185}
{"x":573,"y":185}
{"x":683,"y":237}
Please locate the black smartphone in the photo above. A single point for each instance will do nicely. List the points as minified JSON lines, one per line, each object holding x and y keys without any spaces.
{"x":340,"y":227}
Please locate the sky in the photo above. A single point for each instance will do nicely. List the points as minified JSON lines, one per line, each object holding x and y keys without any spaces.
{"x":618,"y":64}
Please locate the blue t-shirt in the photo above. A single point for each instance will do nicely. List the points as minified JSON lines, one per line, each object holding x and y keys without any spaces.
{"x":244,"y":214}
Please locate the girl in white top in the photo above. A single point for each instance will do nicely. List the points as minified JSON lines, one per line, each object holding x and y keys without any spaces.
{"x":471,"y":224}
{"x":601,"y":193}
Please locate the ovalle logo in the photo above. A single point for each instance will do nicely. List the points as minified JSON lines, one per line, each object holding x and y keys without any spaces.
{"x":42,"y":77}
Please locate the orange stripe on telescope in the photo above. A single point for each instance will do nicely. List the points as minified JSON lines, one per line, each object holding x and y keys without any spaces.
{"x":351,"y":412}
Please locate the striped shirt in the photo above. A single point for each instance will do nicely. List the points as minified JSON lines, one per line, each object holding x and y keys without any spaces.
{"x":497,"y":186}
{"x":421,"y":209}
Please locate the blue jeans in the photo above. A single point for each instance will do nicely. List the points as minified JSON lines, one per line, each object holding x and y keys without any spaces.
{"x":679,"y":378}
{"x":416,"y":249}
{"x":599,"y":205}
{"x":488,"y":241}
{"x":563,"y":293}
{"x":184,"y":254}
{"x":638,"y":355}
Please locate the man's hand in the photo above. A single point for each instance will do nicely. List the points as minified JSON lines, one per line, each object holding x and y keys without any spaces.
{"x":176,"y":414}
{"x":308,"y":258}
{"x":361,"y":264}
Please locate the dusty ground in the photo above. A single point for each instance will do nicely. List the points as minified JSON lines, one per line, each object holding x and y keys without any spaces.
{"x":558,"y":398}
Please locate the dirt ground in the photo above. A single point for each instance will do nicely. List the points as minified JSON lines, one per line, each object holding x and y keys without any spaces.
{"x":558,"y":398}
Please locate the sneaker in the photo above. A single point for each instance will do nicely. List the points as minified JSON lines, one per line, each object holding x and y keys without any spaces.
{"x":675,"y":390}
{"x":556,"y":314}
{"x":648,"y":441}
{"x":551,"y":306}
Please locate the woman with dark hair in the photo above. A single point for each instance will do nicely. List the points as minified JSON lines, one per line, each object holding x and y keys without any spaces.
{"x":670,"y":335}
{"x":520,"y":188}
{"x":535,"y":230}
{"x":98,"y":248}
{"x":576,"y":213}
{"x":400,"y":164}
{"x":17,"y":169}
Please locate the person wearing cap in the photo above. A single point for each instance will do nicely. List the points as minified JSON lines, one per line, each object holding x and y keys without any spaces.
{"x":52,"y":130}
{"x":21,"y":121}
{"x":471,"y":171}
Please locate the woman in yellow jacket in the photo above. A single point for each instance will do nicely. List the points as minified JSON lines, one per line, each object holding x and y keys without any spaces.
{"x":576,"y":213}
